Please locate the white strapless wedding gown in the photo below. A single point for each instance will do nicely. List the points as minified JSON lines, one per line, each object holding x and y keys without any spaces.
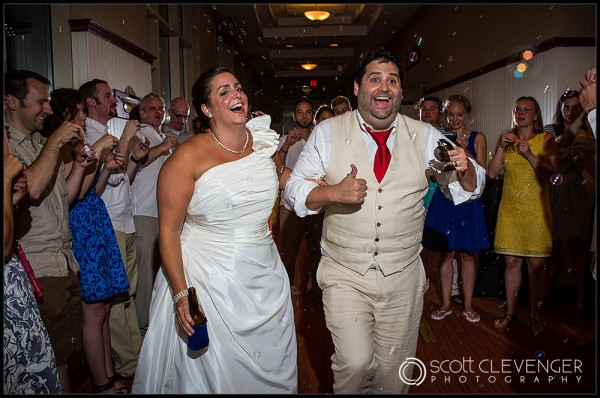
{"x":230,"y":257}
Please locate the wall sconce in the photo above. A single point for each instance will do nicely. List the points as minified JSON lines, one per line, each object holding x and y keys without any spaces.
{"x":317,"y":15}
{"x":125,"y":103}
{"x":308,"y":66}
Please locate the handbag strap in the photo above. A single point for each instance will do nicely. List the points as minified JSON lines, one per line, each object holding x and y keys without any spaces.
{"x":35,"y":284}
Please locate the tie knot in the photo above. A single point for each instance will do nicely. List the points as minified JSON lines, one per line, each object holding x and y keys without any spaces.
{"x":380,"y":137}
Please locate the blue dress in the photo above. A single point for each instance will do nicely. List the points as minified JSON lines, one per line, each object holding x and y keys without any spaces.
{"x":450,"y":227}
{"x":96,"y":249}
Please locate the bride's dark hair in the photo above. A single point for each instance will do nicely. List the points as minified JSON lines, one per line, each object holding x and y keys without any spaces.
{"x":201,"y":92}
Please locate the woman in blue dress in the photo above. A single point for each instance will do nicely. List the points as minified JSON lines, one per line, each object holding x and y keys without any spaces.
{"x":95,"y":247}
{"x":451,"y":229}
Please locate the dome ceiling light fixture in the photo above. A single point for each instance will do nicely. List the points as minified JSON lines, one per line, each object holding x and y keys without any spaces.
{"x":308,"y":66}
{"x":317,"y":15}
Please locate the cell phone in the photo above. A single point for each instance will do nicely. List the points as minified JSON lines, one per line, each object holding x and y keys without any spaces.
{"x":451,"y":136}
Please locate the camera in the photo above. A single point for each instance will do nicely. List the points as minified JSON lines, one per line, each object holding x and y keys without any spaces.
{"x":441,"y":154}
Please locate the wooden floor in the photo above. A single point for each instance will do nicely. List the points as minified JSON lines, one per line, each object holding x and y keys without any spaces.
{"x":471,"y":346}
{"x":481,"y":358}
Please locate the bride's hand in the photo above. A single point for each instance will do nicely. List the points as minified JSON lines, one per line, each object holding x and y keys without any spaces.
{"x":182,"y":313}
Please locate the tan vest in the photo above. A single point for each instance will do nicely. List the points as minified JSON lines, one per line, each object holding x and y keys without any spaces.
{"x":388,"y":226}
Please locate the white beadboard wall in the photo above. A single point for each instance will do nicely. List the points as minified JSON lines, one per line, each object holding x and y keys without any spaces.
{"x":94,"y":57}
{"x":494,"y":94}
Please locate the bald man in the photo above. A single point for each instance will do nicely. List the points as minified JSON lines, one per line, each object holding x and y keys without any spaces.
{"x":179,"y":114}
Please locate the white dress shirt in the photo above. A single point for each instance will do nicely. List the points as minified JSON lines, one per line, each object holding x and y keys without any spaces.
{"x":316,"y":154}
{"x":293,"y":151}
{"x":592,"y":119}
{"x":181,"y":136}
{"x":143,"y":189}
{"x":117,"y":195}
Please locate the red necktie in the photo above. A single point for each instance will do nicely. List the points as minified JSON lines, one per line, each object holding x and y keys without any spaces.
{"x":383,"y":155}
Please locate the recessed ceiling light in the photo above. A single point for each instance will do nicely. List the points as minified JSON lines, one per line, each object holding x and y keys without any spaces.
{"x":317,"y":15}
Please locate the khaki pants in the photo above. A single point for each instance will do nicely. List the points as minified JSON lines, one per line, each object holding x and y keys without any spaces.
{"x":148,"y":255}
{"x":125,"y":337}
{"x":61,"y":313}
{"x":374,"y":321}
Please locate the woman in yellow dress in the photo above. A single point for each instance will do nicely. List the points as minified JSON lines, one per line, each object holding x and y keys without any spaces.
{"x":524,"y":226}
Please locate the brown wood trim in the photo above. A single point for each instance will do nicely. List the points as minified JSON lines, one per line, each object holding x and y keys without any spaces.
{"x":95,"y":28}
{"x":540,"y":48}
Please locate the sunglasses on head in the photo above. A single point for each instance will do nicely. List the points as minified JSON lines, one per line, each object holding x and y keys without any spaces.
{"x":569,"y":94}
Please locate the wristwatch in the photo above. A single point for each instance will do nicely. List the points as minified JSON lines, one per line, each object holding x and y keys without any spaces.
{"x":133,"y":159}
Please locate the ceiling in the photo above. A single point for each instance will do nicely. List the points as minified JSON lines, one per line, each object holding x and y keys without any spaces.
{"x":275,"y":39}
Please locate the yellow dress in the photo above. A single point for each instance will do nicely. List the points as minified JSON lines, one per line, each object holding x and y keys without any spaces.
{"x":524,"y":226}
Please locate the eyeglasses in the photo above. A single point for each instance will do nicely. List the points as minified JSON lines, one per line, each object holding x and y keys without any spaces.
{"x":178,"y":116}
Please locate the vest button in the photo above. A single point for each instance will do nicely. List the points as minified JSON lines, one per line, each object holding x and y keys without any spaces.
{"x":380,"y":190}
{"x":379,"y":224}
{"x":376,"y":239}
{"x":376,"y":253}
{"x":379,"y":207}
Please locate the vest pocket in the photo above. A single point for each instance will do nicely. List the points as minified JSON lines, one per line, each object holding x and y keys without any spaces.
{"x":411,"y":240}
{"x":339,"y":240}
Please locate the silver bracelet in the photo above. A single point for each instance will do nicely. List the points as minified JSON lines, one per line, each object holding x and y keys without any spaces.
{"x":179,"y":295}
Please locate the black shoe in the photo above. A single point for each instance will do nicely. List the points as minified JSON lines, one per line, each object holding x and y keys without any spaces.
{"x":122,"y":390}
{"x":105,"y":387}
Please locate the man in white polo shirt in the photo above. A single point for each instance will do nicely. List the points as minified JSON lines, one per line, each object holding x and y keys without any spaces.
{"x":101,"y":107}
{"x":145,"y":209}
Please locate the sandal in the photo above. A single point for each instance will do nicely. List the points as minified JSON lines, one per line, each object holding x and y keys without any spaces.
{"x":506,"y":320}
{"x":537,"y":326}
{"x":438,"y":314}
{"x":105,"y":387}
{"x":472,"y":317}
{"x":124,"y":389}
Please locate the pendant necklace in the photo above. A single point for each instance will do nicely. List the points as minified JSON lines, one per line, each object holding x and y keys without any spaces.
{"x":229,"y":149}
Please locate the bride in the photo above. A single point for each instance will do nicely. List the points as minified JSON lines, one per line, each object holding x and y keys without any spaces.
{"x":215,"y":196}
